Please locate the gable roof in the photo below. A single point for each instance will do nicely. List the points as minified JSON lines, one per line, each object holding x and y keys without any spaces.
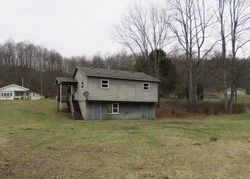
{"x":13,"y":87}
{"x":115,"y":74}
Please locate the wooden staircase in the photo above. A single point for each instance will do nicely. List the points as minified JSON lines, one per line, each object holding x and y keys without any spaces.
{"x":74,"y":108}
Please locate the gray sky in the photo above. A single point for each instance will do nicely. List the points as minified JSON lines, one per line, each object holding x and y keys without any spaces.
{"x":71,"y":27}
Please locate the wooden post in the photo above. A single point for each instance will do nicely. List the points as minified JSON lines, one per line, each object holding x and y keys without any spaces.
{"x":71,"y":90}
{"x":71,"y":104}
{"x":60,"y":97}
{"x":57,"y":98}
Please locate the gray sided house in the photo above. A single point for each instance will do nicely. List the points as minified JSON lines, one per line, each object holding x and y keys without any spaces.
{"x":108,"y":94}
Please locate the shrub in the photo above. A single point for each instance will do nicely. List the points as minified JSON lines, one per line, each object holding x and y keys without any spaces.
{"x":182,"y":108}
{"x":239,"y":108}
{"x":181,"y":95}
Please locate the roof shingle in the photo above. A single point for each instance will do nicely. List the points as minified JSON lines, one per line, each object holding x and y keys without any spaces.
{"x":116,"y":74}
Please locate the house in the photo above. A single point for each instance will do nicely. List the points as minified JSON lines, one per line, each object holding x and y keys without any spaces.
{"x":13,"y":92}
{"x":35,"y":96}
{"x":109,"y":94}
{"x":240,"y":91}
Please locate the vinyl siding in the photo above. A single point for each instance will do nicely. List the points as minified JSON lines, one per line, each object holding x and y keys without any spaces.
{"x":127,"y":110}
{"x":79,"y":91}
{"x":121,"y":90}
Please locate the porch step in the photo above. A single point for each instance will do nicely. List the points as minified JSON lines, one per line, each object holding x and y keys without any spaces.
{"x":78,"y":114}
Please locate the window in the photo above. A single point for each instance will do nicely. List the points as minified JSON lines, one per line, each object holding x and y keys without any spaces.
{"x":113,"y":108}
{"x":6,"y":94}
{"x":104,"y":83}
{"x":146,"y":86}
{"x":82,"y":84}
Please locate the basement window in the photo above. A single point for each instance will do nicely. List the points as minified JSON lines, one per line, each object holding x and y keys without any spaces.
{"x":104,"y":83}
{"x":146,"y":86}
{"x":113,"y":108}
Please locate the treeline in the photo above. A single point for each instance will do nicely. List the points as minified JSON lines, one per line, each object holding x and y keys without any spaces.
{"x":36,"y":67}
{"x":30,"y":65}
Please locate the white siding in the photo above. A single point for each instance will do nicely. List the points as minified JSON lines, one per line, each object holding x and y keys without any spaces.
{"x":121,"y":90}
{"x":79,"y":91}
{"x":35,"y":96}
{"x":4,"y":96}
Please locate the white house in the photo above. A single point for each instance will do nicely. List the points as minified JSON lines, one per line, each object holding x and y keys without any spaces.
{"x":240,"y":91}
{"x":35,"y":96}
{"x":13,"y":91}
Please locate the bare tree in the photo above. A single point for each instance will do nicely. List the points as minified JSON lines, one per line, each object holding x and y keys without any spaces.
{"x":239,"y":18}
{"x":189,"y":24}
{"x":144,"y":30}
{"x":98,"y":61}
{"x":220,"y":14}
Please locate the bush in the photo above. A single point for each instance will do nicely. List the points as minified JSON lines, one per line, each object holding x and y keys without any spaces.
{"x":239,"y":108}
{"x":181,"y":95}
{"x":182,"y":108}
{"x":215,"y":108}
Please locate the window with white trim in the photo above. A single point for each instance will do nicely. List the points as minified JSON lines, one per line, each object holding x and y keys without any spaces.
{"x":104,"y":83}
{"x":146,"y":86}
{"x":6,"y":94}
{"x":113,"y":108}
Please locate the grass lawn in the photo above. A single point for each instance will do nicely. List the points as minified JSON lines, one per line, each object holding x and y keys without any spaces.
{"x":243,"y":98}
{"x":38,"y":142}
{"x":240,"y":98}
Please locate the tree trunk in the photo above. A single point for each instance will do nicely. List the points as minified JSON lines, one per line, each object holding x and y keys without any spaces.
{"x":190,"y":83}
{"x":225,"y":87}
{"x":231,"y":100}
{"x":235,"y":93}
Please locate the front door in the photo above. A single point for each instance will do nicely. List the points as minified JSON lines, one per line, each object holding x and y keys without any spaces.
{"x":144,"y":111}
{"x":96,"y":111}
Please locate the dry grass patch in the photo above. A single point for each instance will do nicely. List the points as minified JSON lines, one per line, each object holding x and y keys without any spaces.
{"x":37,"y":142}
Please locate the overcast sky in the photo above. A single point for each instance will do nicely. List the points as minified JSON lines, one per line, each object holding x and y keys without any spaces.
{"x":71,"y":27}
